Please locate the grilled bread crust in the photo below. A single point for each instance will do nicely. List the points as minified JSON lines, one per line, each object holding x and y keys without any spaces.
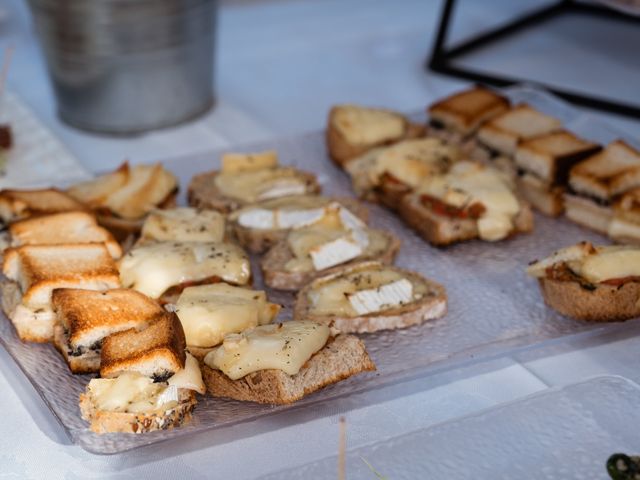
{"x":341,"y":358}
{"x":102,"y":421}
{"x":603,"y":303}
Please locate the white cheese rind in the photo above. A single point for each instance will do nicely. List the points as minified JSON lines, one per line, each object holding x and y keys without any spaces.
{"x":285,"y":347}
{"x":334,"y":253}
{"x":386,"y":296}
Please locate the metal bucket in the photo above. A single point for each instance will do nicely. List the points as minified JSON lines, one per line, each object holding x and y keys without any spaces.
{"x":128,"y":66}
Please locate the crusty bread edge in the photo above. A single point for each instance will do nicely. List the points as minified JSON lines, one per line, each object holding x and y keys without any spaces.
{"x":605,"y":303}
{"x":405,"y":316}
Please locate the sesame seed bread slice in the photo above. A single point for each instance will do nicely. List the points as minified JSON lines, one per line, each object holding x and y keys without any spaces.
{"x":275,"y":275}
{"x":432,"y":304}
{"x":103,"y":421}
{"x":341,"y":358}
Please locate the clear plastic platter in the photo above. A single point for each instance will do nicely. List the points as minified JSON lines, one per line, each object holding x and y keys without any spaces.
{"x":560,"y":434}
{"x":494,"y":308}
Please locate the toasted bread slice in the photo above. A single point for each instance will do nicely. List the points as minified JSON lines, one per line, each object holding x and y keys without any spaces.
{"x":604,"y":303}
{"x":39,"y":269}
{"x":593,"y":283}
{"x":465,"y":111}
{"x":203,"y":191}
{"x":428,"y":302}
{"x":588,"y":213}
{"x":36,"y":270}
{"x":341,"y":358}
{"x":611,"y":172}
{"x":259,"y":240}
{"x":504,"y":132}
{"x":546,"y":199}
{"x":61,"y":228}
{"x":20,"y":204}
{"x":95,"y":193}
{"x":625,"y":224}
{"x":158,"y":351}
{"x":107,"y":421}
{"x":353,"y":130}
{"x":550,"y":157}
{"x":86,"y":317}
{"x":386,"y":174}
{"x":275,"y":274}
{"x":443,"y":230}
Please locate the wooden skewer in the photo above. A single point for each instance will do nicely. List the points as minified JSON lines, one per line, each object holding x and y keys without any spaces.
{"x":342,"y":450}
{"x":6,"y":62}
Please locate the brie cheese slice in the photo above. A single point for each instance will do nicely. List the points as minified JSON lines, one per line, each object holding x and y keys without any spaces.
{"x":334,"y":253}
{"x":386,"y":296}
{"x":283,"y":188}
{"x":258,"y":218}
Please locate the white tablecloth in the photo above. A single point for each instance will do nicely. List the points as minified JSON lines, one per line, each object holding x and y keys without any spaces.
{"x":305,"y":55}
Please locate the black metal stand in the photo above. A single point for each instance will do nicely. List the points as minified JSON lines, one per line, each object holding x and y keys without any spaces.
{"x":442,"y":59}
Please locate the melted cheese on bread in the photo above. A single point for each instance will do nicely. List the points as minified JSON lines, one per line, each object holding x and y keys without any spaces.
{"x":209,"y":312}
{"x":369,"y":288}
{"x":367,"y":126}
{"x":185,"y":225}
{"x":338,"y":237}
{"x":470,"y":183}
{"x":286,"y":346}
{"x":154,"y":268}
{"x":261,"y":184}
{"x":594,"y":264}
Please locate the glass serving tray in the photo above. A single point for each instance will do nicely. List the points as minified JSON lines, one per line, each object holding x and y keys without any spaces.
{"x":494,"y":308}
{"x":559,"y":434}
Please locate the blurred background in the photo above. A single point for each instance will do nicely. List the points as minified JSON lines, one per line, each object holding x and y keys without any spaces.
{"x":280,"y":65}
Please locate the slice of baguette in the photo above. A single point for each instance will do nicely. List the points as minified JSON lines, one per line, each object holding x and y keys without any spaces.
{"x":341,"y":358}
{"x":203,"y":192}
{"x":259,"y":241}
{"x":605,"y":303}
{"x":276,"y":276}
{"x":103,"y":421}
{"x":441,"y":230}
{"x":431,"y":306}
{"x":342,"y":149}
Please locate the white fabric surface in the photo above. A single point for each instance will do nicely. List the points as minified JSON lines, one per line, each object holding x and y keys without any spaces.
{"x":280,"y":66}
